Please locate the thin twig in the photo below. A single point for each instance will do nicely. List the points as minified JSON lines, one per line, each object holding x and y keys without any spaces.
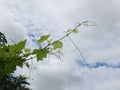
{"x":31,"y":67}
{"x":78,"y":51}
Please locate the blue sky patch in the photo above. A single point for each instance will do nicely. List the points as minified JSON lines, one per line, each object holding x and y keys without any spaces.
{"x":98,"y":64}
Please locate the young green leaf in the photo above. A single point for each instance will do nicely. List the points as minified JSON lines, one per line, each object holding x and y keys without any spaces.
{"x":69,"y":30}
{"x":41,"y":53}
{"x":21,"y":45}
{"x":43,"y":38}
{"x":18,"y":47}
{"x":75,"y":31}
{"x":57,"y":44}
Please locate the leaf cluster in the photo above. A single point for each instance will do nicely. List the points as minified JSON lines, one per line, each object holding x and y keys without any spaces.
{"x":50,"y":47}
{"x":10,"y":58}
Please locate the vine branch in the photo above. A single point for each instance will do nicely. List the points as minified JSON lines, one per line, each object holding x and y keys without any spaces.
{"x":66,"y":35}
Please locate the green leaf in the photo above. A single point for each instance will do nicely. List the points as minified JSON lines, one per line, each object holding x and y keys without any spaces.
{"x":41,"y":53}
{"x":43,"y":38}
{"x":75,"y":31}
{"x":57,"y":44}
{"x":3,"y":40}
{"x":21,"y":45}
{"x":69,"y":30}
{"x":18,"y":47}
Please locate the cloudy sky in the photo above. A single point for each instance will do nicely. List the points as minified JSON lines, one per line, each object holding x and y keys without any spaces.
{"x":20,"y":19}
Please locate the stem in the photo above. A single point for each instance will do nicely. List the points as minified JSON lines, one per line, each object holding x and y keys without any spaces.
{"x":78,"y":51}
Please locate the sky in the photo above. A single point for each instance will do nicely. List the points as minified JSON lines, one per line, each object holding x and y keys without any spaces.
{"x":29,"y":19}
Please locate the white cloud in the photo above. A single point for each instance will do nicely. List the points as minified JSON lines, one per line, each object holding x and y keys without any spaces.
{"x":12,"y":29}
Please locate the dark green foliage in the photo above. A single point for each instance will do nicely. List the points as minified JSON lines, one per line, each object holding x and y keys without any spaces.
{"x":3,"y":40}
{"x":11,"y":82}
{"x":10,"y":57}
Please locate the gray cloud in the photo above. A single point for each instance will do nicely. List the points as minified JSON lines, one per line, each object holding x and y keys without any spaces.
{"x":58,"y":81}
{"x":109,"y":85}
{"x":62,"y":79}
